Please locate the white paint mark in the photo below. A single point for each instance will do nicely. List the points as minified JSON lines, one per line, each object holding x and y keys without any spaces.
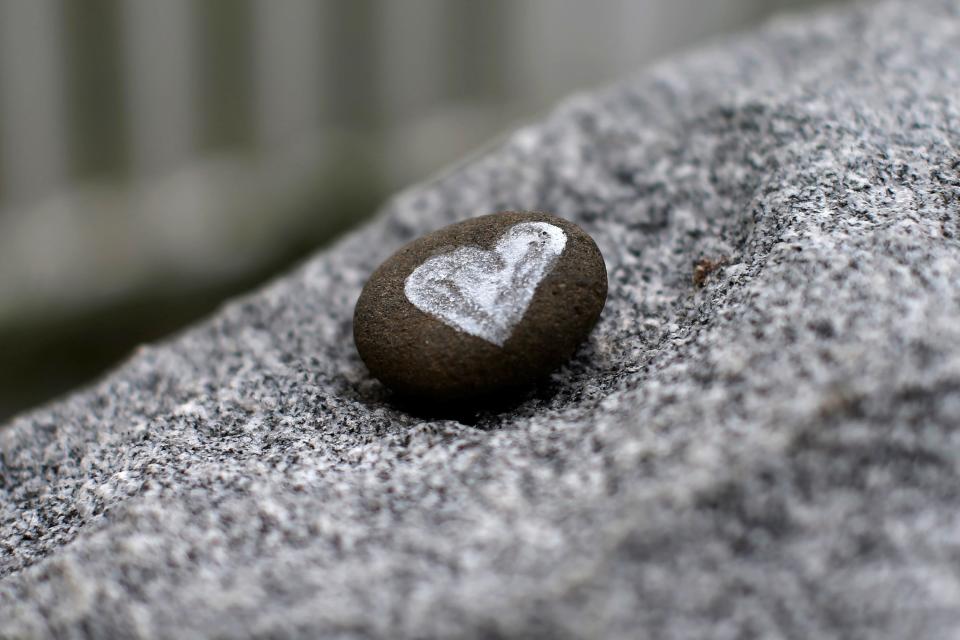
{"x":485,"y":293}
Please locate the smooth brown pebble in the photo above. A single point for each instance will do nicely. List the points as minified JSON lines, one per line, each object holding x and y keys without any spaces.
{"x":480,"y":308}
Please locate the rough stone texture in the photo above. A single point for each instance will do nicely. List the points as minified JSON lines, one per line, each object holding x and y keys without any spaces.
{"x":772,"y":455}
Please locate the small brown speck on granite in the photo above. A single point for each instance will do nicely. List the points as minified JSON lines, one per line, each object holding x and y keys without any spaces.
{"x":704,"y":267}
{"x":482,"y":307}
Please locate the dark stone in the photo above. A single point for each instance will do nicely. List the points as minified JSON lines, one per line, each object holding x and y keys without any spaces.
{"x":480,"y":308}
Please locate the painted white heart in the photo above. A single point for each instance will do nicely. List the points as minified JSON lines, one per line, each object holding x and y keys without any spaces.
{"x":485,"y":293}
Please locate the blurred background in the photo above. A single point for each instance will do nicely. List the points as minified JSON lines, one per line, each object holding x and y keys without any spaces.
{"x":157,"y":156}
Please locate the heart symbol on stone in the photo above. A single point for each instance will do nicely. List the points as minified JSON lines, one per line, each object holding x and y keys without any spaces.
{"x":485,"y":293}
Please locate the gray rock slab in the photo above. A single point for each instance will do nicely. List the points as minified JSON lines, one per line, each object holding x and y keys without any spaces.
{"x":774,"y":454}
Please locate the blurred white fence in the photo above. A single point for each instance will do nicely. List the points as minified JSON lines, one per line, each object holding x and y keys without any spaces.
{"x":145,"y":142}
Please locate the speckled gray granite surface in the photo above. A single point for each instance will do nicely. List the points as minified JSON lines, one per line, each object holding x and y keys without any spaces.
{"x":772,"y":455}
